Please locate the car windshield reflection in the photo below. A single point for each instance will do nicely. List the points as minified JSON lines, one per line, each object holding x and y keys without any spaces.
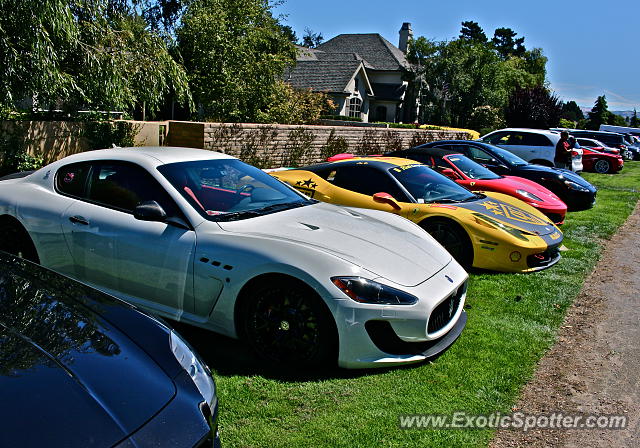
{"x":228,"y":190}
{"x":472,"y":169}
{"x":425,"y":185}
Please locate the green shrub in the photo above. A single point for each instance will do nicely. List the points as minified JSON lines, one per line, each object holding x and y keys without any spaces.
{"x":106,"y":134}
{"x":340,"y":118}
{"x":334,"y":145}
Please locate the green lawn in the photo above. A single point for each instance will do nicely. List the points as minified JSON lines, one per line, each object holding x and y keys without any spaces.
{"x":512,"y":322}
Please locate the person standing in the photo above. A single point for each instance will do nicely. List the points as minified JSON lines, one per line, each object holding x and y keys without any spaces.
{"x":562,"y":158}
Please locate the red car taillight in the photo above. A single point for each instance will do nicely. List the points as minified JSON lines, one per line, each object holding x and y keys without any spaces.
{"x":575,"y":153}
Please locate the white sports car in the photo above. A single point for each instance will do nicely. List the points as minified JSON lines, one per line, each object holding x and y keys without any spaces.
{"x":206,"y":239}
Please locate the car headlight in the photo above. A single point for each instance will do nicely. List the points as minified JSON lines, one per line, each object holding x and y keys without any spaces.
{"x":574,"y":185}
{"x":197,"y":370}
{"x":528,"y":195}
{"x":367,"y":291}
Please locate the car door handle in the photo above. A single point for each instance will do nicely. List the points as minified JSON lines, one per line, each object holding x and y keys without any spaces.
{"x":79,"y":220}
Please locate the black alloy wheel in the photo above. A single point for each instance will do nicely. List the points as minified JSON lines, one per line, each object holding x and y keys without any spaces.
{"x":453,"y":238}
{"x":286,"y":322}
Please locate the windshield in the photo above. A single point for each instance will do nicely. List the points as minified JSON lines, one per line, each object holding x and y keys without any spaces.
{"x":507,"y":156}
{"x":228,"y":189}
{"x":472,"y":169}
{"x":425,"y":185}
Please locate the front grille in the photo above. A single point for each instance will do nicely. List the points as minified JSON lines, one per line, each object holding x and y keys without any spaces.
{"x":444,"y":312}
{"x":544,"y":258}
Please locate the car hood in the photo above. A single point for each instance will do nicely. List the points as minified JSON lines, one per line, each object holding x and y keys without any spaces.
{"x":377,"y":245}
{"x":555,"y":173}
{"x":509,"y":214}
{"x":68,"y":375}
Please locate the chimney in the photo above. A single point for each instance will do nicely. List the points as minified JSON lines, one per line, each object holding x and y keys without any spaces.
{"x":405,"y":35}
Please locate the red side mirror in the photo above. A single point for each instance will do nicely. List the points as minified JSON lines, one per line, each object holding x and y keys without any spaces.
{"x":386,"y":198}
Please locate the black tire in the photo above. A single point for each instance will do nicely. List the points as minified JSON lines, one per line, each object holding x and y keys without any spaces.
{"x":601,"y":166}
{"x":286,"y":322}
{"x":15,"y":240}
{"x":453,"y":238}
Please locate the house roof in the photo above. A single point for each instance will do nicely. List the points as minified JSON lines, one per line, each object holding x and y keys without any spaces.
{"x":378,"y":52}
{"x":323,"y":76}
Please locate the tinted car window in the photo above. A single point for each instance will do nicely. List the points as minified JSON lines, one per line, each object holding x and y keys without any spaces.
{"x":497,"y":138}
{"x":123,"y":186}
{"x":366,"y":180}
{"x":72,"y":179}
{"x":530,"y":139}
{"x":479,"y":155}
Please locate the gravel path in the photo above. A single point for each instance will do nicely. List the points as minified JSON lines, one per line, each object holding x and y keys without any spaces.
{"x":594,"y":368}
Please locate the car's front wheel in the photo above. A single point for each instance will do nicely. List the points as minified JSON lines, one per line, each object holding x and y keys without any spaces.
{"x":601,"y":166}
{"x":286,"y":322}
{"x":15,"y":240}
{"x":453,"y":238}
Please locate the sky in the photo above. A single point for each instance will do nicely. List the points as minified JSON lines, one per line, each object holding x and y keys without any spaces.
{"x":593,"y":46}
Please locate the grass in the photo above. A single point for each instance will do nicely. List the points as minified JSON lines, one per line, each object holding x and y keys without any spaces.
{"x":513,"y":319}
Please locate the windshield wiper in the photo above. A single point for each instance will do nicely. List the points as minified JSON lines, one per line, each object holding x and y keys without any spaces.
{"x":443,"y":201}
{"x":235,"y":216}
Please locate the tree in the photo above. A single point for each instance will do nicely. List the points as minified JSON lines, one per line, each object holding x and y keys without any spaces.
{"x":459,"y":76}
{"x":634,"y":122}
{"x":289,"y":105}
{"x":506,"y":45}
{"x":616,"y":120}
{"x":472,"y":32}
{"x":89,"y":53}
{"x":289,"y":34}
{"x":599,"y":113}
{"x":234,"y":52}
{"x":571,"y":111}
{"x":534,"y":107}
{"x":311,"y":39}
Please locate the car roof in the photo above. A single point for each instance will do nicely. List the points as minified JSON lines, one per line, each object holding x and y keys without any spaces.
{"x":156,"y":155}
{"x":530,"y":130}
{"x":434,"y":150}
{"x":382,"y":162}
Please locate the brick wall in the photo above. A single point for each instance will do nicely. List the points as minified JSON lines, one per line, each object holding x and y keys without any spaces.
{"x":274,"y":145}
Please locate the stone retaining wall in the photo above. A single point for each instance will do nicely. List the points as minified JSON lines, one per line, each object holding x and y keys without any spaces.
{"x":269,"y":146}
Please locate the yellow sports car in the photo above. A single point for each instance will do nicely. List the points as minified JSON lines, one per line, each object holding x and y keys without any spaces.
{"x":484,"y":230}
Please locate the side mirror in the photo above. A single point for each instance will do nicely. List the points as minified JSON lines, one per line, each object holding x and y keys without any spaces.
{"x":386,"y":198}
{"x":450,"y":173}
{"x":149,"y":211}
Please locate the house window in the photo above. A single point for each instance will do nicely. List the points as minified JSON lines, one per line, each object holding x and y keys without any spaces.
{"x":381,"y":113}
{"x":355,"y":105}
{"x":357,"y":84}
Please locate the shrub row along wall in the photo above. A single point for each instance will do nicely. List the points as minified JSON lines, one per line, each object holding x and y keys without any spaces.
{"x":270,"y":146}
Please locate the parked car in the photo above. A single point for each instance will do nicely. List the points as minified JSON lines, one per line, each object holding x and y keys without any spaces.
{"x":597,"y":145}
{"x":476,"y":177}
{"x":533,"y":145}
{"x":206,"y":239}
{"x":489,"y":231}
{"x":610,"y":139}
{"x":601,"y":162}
{"x":79,"y":368}
{"x":574,"y":191}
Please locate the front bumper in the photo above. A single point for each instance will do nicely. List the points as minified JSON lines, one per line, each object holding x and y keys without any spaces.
{"x":183,"y":422}
{"x":382,"y":336}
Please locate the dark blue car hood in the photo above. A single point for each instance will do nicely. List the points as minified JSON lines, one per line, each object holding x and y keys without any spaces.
{"x":68,"y":377}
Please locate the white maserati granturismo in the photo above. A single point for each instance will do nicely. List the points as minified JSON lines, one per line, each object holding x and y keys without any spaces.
{"x":203,"y":238}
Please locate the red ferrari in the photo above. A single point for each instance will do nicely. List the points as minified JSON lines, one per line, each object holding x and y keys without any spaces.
{"x":476,"y":177}
{"x":600,"y":162}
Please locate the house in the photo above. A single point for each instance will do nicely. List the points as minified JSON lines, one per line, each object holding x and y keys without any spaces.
{"x":365,"y":75}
